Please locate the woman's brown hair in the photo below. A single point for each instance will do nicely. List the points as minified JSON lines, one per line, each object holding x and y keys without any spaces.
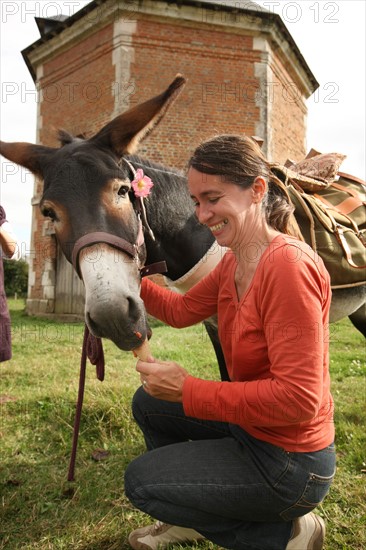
{"x":239,"y":160}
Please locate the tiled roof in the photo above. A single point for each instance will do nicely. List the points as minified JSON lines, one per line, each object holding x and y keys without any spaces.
{"x":52,"y":26}
{"x":243,"y":5}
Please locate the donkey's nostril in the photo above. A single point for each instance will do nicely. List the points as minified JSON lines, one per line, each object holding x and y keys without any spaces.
{"x":134,"y":311}
{"x":92,"y":325}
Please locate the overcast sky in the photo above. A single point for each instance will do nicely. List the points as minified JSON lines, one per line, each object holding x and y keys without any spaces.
{"x":330,"y":35}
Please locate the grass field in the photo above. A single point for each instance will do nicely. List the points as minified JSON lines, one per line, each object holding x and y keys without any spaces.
{"x":40,"y":510}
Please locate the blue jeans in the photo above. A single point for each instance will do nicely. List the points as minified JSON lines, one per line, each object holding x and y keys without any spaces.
{"x":237,"y":491}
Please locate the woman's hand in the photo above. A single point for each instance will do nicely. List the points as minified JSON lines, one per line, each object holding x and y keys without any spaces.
{"x":163,"y":379}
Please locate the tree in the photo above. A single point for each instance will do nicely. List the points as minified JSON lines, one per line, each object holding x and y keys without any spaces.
{"x":15,"y":277}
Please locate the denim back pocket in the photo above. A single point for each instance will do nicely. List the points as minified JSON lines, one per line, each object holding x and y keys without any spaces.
{"x":315,"y":491}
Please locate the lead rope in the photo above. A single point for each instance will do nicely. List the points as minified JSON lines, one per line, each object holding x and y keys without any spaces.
{"x":93,"y":350}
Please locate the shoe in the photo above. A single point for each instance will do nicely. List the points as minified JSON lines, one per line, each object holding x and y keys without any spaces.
{"x":160,"y":535}
{"x":308,"y":534}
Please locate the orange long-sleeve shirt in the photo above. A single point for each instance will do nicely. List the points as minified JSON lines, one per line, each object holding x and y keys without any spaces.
{"x":275,"y":343}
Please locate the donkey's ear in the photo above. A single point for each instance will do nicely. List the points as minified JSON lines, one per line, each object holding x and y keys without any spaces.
{"x":33,"y":157}
{"x":124,"y":133}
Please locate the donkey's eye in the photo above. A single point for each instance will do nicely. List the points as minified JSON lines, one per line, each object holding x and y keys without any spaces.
{"x":123,"y":190}
{"x":49,"y":213}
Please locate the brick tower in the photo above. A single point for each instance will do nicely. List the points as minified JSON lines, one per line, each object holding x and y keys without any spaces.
{"x":245,"y":75}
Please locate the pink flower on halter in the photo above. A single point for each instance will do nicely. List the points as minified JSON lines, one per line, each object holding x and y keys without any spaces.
{"x":141,"y":184}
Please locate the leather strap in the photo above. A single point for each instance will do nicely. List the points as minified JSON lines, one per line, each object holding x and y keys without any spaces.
{"x":344,"y":244}
{"x":345,"y":207}
{"x":119,"y":243}
{"x":93,"y":350}
{"x":101,"y":237}
{"x":339,"y":233}
{"x":153,"y":269}
{"x":352,"y":178}
{"x":347,"y":190}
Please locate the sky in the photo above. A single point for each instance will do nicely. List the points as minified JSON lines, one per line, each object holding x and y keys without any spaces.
{"x":330,"y":36}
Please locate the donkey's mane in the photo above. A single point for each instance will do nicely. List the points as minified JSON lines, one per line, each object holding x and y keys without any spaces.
{"x":136,"y":159}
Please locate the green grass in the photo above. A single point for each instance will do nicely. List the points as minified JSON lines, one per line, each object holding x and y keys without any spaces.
{"x":40,"y":510}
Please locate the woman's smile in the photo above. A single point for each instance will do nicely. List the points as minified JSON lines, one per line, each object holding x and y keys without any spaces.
{"x":218,"y":227}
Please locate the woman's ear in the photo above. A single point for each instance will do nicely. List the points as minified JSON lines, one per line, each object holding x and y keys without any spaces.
{"x":259,"y":188}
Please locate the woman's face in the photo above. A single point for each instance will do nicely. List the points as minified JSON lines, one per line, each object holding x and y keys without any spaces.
{"x":229,"y":211}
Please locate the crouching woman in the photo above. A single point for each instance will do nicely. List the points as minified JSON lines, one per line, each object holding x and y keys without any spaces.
{"x":243,"y":462}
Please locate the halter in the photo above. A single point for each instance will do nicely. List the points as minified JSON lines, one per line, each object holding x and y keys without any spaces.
{"x":120,"y":243}
{"x":102,"y":237}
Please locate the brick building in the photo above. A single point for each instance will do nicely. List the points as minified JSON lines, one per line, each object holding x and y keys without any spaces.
{"x":245,"y":75}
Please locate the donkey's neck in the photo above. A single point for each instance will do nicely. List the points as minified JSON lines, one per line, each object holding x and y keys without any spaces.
{"x":183,"y":247}
{"x":202,"y":268}
{"x":180,"y":239}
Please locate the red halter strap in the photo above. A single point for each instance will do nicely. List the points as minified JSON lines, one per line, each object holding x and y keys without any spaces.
{"x":101,"y":237}
{"x":119,"y":243}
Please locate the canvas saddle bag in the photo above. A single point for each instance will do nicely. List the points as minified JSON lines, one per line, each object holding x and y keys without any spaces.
{"x":330,"y":209}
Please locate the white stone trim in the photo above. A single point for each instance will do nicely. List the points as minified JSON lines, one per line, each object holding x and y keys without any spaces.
{"x":39,"y":76}
{"x":122,"y":56}
{"x":261,"y":72}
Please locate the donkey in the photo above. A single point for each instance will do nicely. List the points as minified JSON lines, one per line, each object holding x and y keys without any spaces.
{"x":88,"y":196}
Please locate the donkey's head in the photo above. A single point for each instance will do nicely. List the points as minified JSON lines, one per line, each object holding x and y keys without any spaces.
{"x":87,"y":190}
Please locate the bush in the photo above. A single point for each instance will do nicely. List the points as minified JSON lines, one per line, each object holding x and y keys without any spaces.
{"x":15,"y":277}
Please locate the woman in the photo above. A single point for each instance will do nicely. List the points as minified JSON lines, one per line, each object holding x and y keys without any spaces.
{"x":8,"y":249}
{"x":241,"y":463}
